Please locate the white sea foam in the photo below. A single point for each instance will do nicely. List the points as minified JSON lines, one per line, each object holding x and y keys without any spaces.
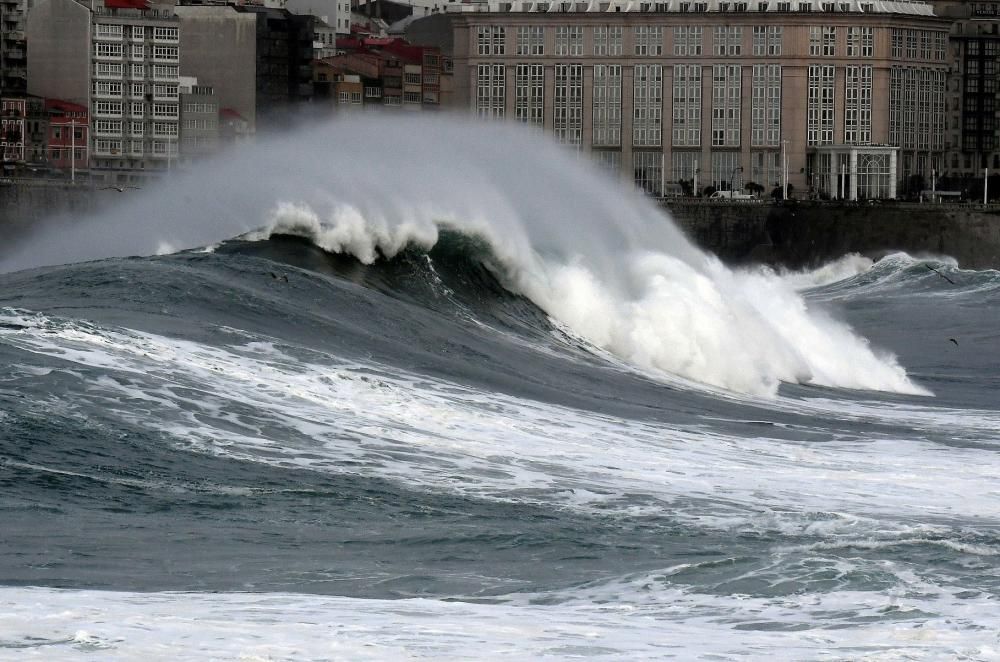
{"x":254,"y":401}
{"x":596,"y":256}
{"x":840,"y":269}
{"x":635,"y":620}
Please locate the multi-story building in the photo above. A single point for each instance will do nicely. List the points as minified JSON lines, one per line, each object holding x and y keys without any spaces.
{"x":13,"y":47}
{"x":199,"y":119}
{"x":67,"y":144}
{"x":973,"y":132}
{"x":850,"y":94}
{"x":13,"y":115}
{"x":121,"y":59}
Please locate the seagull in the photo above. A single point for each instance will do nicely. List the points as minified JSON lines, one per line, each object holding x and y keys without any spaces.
{"x":954,"y":341}
{"x":940,"y":274}
{"x":120,"y":189}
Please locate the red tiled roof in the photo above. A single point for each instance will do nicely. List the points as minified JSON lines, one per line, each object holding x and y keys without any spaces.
{"x":127,"y":4}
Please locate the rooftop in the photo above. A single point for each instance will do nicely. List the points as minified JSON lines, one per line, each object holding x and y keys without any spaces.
{"x":911,"y":7}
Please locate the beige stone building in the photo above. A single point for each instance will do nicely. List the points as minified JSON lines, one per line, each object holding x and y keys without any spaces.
{"x":848,"y":98}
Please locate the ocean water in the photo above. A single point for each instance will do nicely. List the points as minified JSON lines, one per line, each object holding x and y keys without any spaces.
{"x":500,"y":409}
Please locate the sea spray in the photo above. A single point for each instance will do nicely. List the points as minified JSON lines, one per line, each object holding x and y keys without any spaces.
{"x":597,"y":256}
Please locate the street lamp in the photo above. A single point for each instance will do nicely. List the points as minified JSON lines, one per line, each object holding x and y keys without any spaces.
{"x":784,"y":171}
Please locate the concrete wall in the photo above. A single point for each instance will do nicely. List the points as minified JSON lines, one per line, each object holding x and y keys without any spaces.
{"x":793,"y":235}
{"x":219,"y":48}
{"x":59,"y":32}
{"x":805,"y":235}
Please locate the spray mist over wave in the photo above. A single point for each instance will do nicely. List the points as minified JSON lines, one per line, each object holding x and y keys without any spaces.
{"x":598,"y":257}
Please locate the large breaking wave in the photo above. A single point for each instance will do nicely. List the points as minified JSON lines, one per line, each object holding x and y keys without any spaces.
{"x":600,"y":259}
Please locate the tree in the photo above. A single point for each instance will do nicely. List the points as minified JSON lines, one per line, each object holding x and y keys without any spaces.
{"x":708,"y":191}
{"x":754,"y":188}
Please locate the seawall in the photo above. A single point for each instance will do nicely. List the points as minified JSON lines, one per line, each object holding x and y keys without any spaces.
{"x":806,"y":234}
{"x":796,"y":234}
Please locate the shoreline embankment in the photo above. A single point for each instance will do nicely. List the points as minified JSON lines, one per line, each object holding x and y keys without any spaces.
{"x":799,"y":234}
{"x":793,"y":234}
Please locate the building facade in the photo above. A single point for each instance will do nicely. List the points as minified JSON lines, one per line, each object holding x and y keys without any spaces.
{"x":13,"y":47}
{"x":846,"y":97}
{"x":121,"y":59}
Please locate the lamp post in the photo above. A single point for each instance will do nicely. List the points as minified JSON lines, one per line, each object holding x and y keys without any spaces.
{"x":696,"y":193}
{"x":72,"y":151}
{"x":986,"y":183}
{"x":784,"y":171}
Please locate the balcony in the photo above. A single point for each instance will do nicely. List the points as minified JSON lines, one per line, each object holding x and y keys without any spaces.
{"x":107,"y":36}
{"x":168,"y":59}
{"x":107,"y":148}
{"x":161,"y":39}
{"x":163,"y":76}
{"x":107,"y":94}
{"x":108,"y":114}
{"x":107,"y":133}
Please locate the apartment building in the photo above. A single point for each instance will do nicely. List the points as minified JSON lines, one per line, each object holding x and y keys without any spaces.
{"x":849,"y":94}
{"x":13,"y":47}
{"x":121,"y":59}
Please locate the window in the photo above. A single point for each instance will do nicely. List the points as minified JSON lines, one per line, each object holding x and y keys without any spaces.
{"x":607,"y":160}
{"x":373,"y":92}
{"x":164,"y":129}
{"x":608,"y":40}
{"x":137,"y":32}
{"x":108,"y":69}
{"x":683,"y":166}
{"x":726,"y":172}
{"x":569,"y":40}
{"x":165,"y":110}
{"x":108,"y":50}
{"x":687,"y":41}
{"x":164,"y":91}
{"x":858,"y":105}
{"x":104,"y":88}
{"x":568,"y":104}
{"x":728,"y":40}
{"x":105,"y":31}
{"x":165,"y":33}
{"x":860,"y":42}
{"x":408,"y":97}
{"x":411,"y":79}
{"x":767,"y":40}
{"x":765,"y":108}
{"x":137,"y":52}
{"x":162,"y":71}
{"x":607,"y":112}
{"x":648,"y":40}
{"x":822,"y":41}
{"x":687,"y":105}
{"x":167,"y":53}
{"x":490,"y":90}
{"x":137,"y":90}
{"x":819,"y":111}
{"x":726,"y":87}
{"x":647,"y":170}
{"x":106,"y":127}
{"x":529,"y":106}
{"x":137,"y":109}
{"x":490,"y":39}
{"x":530,"y":40}
{"x":113,"y":108}
{"x":647,"y":105}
